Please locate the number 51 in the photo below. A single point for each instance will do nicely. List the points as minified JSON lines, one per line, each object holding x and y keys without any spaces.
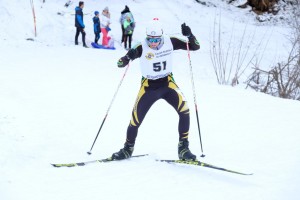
{"x":158,"y":66}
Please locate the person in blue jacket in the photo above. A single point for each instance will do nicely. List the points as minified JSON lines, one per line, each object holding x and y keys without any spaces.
{"x":79,"y":24}
{"x":97,"y":29}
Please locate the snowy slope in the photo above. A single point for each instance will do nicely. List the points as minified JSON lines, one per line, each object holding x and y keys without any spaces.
{"x":54,"y":96}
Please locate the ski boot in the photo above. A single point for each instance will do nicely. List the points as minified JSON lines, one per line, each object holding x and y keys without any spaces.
{"x":124,"y":153}
{"x":184,"y":152}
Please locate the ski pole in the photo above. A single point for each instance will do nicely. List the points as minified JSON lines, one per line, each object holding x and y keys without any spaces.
{"x":34,"y":18}
{"x":194,"y":93}
{"x":90,"y":152}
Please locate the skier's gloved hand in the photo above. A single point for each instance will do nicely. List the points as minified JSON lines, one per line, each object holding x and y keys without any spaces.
{"x":131,"y":55}
{"x":186,"y":30}
{"x":122,"y":62}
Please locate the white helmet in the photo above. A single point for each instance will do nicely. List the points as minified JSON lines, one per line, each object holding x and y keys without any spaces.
{"x":154,"y":28}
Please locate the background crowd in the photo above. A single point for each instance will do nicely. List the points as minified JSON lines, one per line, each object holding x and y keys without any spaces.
{"x":102,"y":27}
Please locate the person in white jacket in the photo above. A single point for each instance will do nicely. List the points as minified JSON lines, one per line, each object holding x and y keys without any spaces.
{"x":104,"y":24}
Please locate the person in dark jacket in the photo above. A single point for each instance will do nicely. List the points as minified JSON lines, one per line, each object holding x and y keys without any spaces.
{"x":126,"y":12}
{"x":97,"y":29}
{"x":155,"y":54}
{"x":79,"y":24}
{"x":128,"y":26}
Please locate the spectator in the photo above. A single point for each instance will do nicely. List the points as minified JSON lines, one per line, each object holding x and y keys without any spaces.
{"x":105,"y":22}
{"x":126,"y":12}
{"x":97,"y":29}
{"x":128,"y":29}
{"x":79,"y":23}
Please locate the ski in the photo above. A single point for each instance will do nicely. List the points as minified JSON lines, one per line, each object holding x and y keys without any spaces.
{"x":186,"y":162}
{"x":202,"y":164}
{"x":92,"y":161}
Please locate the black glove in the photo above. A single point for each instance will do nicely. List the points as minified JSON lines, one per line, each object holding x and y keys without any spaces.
{"x":131,"y":55}
{"x":122,"y":62}
{"x":186,"y":30}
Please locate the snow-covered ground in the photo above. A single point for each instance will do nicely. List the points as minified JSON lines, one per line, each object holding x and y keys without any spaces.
{"x":54,"y":96}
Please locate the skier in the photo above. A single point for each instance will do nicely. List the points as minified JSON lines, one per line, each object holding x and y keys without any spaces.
{"x":79,"y":23}
{"x":155,"y":54}
{"x":97,"y":29}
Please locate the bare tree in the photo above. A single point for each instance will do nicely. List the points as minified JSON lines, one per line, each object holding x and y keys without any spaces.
{"x":231,"y":57}
{"x":283,"y":80}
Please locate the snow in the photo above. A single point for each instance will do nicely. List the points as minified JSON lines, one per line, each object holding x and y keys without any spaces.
{"x":54,"y":96}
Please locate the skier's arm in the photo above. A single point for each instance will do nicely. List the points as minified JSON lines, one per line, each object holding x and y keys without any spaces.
{"x":181,"y":44}
{"x":132,"y":54}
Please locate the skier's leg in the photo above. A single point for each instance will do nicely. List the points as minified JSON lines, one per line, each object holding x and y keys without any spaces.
{"x":176,"y":99}
{"x":144,"y":101}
